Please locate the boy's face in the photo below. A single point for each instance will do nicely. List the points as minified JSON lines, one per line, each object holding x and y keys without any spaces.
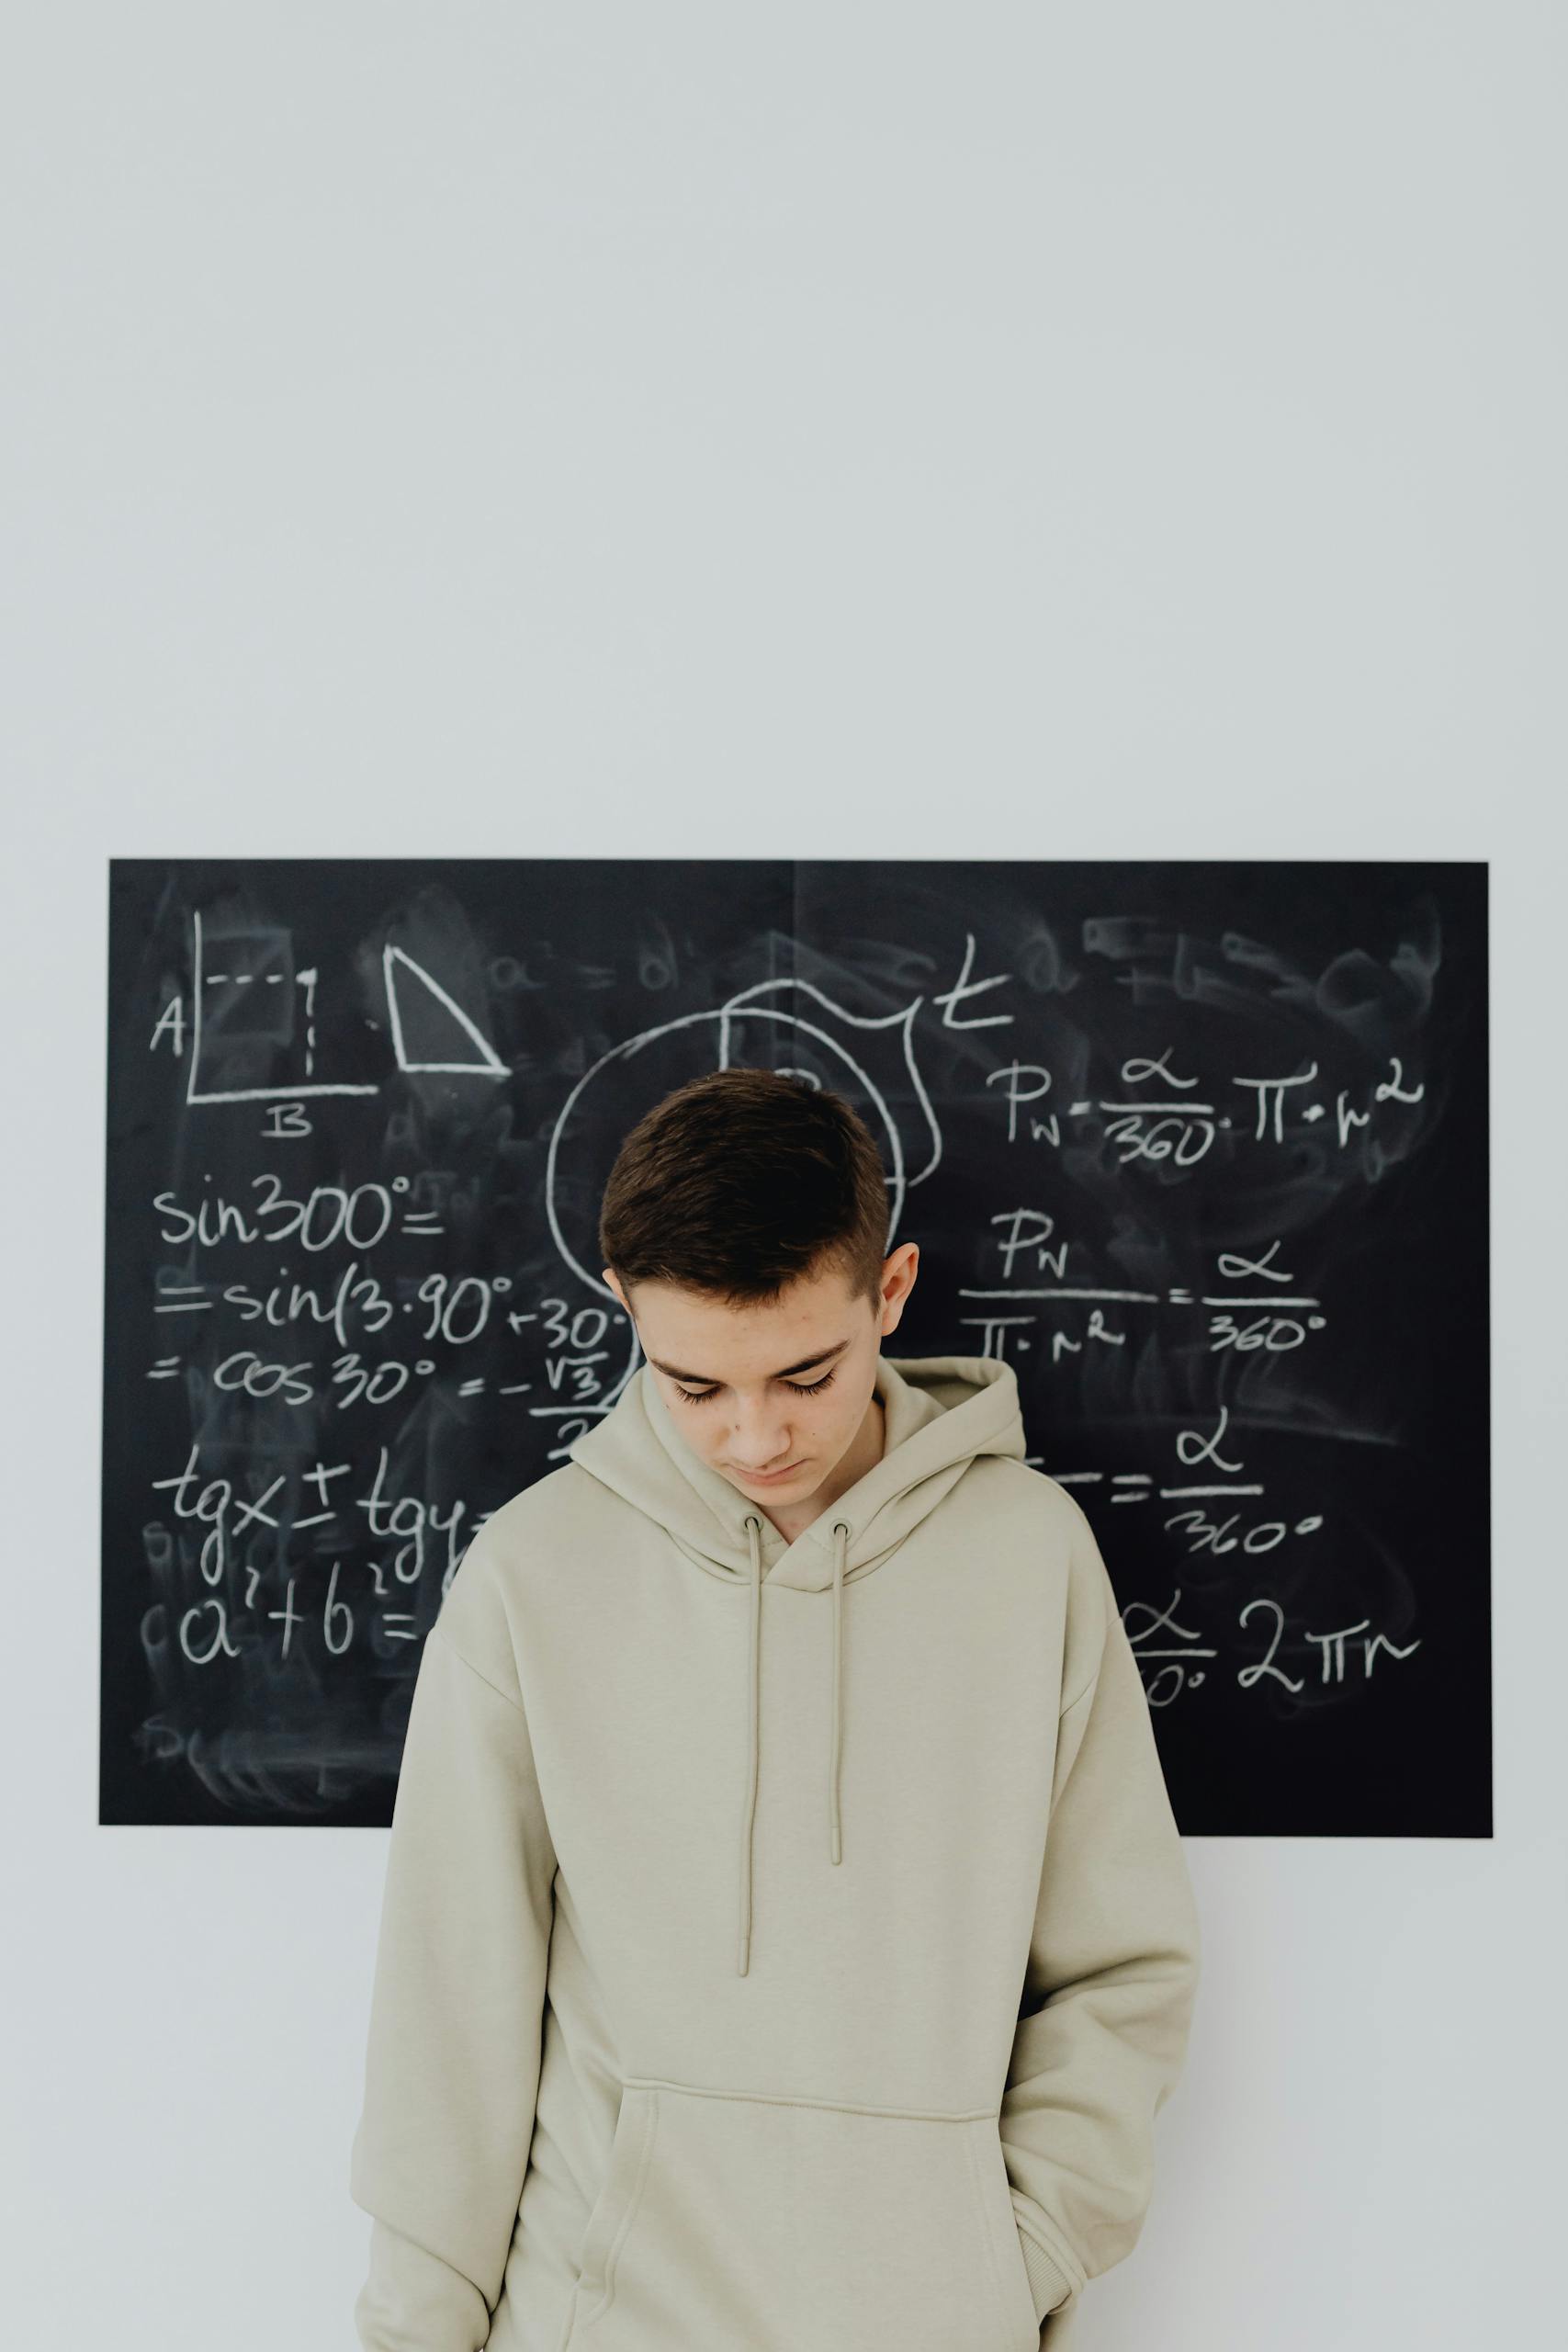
{"x":787,"y":1387}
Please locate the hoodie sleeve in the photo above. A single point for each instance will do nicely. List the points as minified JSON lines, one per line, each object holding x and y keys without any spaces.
{"x":452,"y":2062}
{"x":1113,"y":1968}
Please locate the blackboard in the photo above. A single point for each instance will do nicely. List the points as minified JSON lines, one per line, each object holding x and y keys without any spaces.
{"x":1200,"y":1147}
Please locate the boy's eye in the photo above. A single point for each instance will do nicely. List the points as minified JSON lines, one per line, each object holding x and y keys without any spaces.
{"x":801,"y":1388}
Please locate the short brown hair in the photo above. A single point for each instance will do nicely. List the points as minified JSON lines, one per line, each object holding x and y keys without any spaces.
{"x":741,"y":1182}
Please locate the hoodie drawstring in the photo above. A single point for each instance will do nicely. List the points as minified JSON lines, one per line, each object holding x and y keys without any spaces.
{"x":841,"y":1544}
{"x":753,"y":1691}
{"x":754,"y":1661}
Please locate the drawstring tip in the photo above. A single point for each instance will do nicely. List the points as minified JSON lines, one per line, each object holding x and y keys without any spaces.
{"x":744,"y":1961}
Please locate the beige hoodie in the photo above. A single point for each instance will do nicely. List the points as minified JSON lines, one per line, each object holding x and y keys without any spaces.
{"x":786,"y":1947}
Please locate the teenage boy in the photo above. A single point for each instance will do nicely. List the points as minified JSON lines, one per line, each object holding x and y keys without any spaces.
{"x":787,"y":1943}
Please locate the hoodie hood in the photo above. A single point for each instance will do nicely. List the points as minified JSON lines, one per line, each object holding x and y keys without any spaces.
{"x":940,"y":1414}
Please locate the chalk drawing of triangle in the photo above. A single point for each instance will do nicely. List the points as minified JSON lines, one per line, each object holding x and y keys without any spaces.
{"x":487,"y":1065}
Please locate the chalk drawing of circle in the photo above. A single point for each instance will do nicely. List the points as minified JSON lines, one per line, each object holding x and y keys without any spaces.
{"x":585,"y":1124}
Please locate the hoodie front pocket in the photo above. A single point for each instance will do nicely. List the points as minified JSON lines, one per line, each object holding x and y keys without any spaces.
{"x":794,"y":2225}
{"x":996,"y":2200}
{"x":614,"y":2208}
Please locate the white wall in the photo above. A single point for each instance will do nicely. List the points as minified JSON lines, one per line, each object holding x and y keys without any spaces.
{"x":841,"y":429}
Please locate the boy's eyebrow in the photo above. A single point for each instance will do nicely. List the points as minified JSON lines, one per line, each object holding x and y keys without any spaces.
{"x":702,"y":1380}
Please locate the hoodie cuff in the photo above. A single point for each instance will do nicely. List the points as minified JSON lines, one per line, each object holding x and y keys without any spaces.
{"x":411,"y":2296}
{"x":1048,"y":2283}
